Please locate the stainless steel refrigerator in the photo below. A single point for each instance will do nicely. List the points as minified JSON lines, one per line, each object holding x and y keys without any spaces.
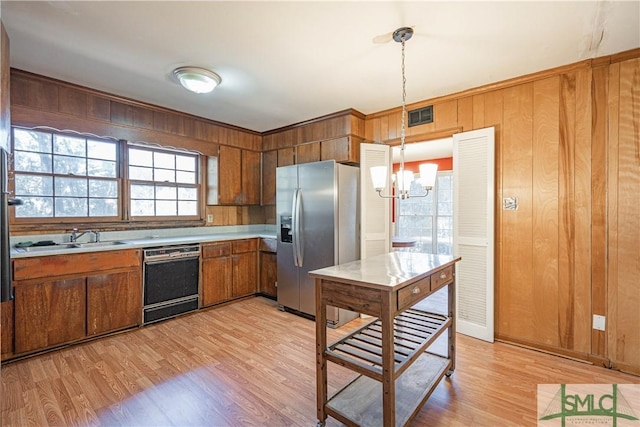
{"x":6,"y":289}
{"x":318,"y":226}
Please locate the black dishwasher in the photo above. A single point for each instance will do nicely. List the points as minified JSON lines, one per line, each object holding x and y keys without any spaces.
{"x":171,"y":277}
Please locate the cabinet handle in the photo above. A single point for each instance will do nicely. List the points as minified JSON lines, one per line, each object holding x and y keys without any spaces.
{"x":415,"y":290}
{"x":443,"y":276}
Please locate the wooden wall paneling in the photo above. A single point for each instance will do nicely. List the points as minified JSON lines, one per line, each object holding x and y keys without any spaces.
{"x":372,"y":129}
{"x":612,"y":225}
{"x":72,"y":101}
{"x":465,"y":113}
{"x":445,"y":114}
{"x":33,"y":93}
{"x":566,"y":266}
{"x":121,"y":113}
{"x":599,"y":203}
{"x":164,"y":121}
{"x":142,"y":117}
{"x":98,"y":107}
{"x":286,"y":156}
{"x":517,"y":272}
{"x":478,"y":112}
{"x":544,"y":304}
{"x":582,"y":206}
{"x":624,"y":277}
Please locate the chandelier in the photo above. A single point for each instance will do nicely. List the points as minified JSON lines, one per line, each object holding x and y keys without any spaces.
{"x":404,"y":178}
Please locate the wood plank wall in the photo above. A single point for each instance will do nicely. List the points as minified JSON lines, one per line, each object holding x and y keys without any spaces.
{"x":37,"y":100}
{"x":567,"y":145}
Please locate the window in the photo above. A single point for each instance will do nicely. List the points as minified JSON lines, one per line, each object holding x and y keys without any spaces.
{"x":63,"y":176}
{"x":162,"y":183}
{"x":429,"y":219}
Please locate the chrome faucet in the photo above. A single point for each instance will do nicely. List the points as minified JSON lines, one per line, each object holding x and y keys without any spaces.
{"x":75,"y":236}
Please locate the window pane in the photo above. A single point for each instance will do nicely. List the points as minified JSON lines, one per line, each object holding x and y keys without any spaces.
{"x":69,"y":165}
{"x":187,"y":208}
{"x":142,"y":191}
{"x":29,"y":140}
{"x":103,"y":188}
{"x":166,"y":193}
{"x":71,"y":206}
{"x":164,"y":160}
{"x":186,"y":177}
{"x":34,"y":185}
{"x":165,"y":175}
{"x":103,"y":207}
{"x":186,"y":163}
{"x":69,"y":145}
{"x":140,"y":157}
{"x":101,"y":150}
{"x":32,"y":162}
{"x":35,"y":207}
{"x":166,"y":208}
{"x":142,"y":207}
{"x":140,"y":173}
{"x":187,"y":193}
{"x":102,"y":168}
{"x":76,"y":187}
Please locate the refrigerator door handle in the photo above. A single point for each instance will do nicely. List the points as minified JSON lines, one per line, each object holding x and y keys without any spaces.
{"x":294,"y":227}
{"x":298,"y":234}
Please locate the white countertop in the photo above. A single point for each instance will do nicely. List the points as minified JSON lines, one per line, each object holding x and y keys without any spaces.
{"x":206,"y":234}
{"x":389,"y":271}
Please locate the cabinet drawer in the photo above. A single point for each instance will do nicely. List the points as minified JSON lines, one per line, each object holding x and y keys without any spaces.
{"x":214,"y":250}
{"x":413,"y":293}
{"x":248,"y":245}
{"x":441,"y":278}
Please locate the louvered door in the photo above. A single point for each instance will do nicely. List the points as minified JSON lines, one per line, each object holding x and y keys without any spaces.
{"x":375,"y":220}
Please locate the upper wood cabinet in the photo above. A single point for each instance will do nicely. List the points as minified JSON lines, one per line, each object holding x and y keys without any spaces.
{"x":239,"y":176}
{"x":307,"y":153}
{"x":269,"y":164}
{"x":343,"y":150}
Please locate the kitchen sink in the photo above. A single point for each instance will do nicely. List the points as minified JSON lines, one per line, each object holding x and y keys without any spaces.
{"x":74,"y":245}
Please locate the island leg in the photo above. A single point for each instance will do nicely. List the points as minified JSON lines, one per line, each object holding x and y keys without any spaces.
{"x":321,"y":345}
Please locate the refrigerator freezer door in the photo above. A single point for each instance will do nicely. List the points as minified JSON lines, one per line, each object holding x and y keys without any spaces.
{"x":317,"y":183}
{"x":287,"y":275}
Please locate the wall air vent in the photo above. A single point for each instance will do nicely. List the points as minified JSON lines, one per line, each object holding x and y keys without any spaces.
{"x":421,"y":116}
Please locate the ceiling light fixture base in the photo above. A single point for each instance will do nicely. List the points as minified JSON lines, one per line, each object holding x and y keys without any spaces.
{"x":197,"y":79}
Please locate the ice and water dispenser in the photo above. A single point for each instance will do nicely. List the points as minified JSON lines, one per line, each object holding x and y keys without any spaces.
{"x":286,"y":234}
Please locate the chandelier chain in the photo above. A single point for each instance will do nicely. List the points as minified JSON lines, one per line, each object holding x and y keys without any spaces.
{"x":404,"y":111}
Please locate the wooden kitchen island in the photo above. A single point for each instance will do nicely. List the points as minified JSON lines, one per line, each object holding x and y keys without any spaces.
{"x":397,"y":372}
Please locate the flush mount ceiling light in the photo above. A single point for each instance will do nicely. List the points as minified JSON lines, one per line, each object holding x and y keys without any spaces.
{"x":404,"y":178}
{"x":195,"y":79}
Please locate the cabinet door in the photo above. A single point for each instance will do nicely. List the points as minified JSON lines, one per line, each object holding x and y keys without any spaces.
{"x":340,"y":149}
{"x":268,"y":273}
{"x":216,"y":280}
{"x":251,"y":174}
{"x":49,"y":313}
{"x":114,"y":301}
{"x":6,"y":310}
{"x":269,"y":164}
{"x":245,"y":279}
{"x":308,"y":153}
{"x":286,"y":156}
{"x":230,"y":176}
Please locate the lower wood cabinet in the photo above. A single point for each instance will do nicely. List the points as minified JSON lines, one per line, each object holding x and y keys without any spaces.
{"x":229,"y":270}
{"x":60,"y":299}
{"x":268,"y":274}
{"x":6,"y":340}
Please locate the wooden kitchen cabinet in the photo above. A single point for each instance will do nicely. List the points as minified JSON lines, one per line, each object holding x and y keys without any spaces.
{"x":49,"y":313}
{"x":216,"y":273}
{"x":113,"y":301}
{"x":268,"y":268}
{"x":307,"y":153}
{"x":342,"y":150}
{"x":229,"y":270}
{"x":244,"y":267}
{"x":239,"y":176}
{"x":269,"y":165}
{"x":6,"y":310}
{"x":61,"y":299}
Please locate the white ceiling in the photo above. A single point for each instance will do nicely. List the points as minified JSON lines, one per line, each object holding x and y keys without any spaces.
{"x":287,"y":62}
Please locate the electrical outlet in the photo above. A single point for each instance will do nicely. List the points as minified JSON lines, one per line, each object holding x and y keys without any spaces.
{"x":599,"y":322}
{"x":209,"y":217}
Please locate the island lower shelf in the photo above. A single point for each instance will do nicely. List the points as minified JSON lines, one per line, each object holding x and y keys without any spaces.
{"x":361,"y":351}
{"x":360,"y":401}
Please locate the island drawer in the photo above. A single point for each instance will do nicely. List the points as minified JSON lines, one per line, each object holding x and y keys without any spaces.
{"x":409,"y":295}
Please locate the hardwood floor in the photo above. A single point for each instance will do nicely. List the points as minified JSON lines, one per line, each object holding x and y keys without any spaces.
{"x":249,"y":364}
